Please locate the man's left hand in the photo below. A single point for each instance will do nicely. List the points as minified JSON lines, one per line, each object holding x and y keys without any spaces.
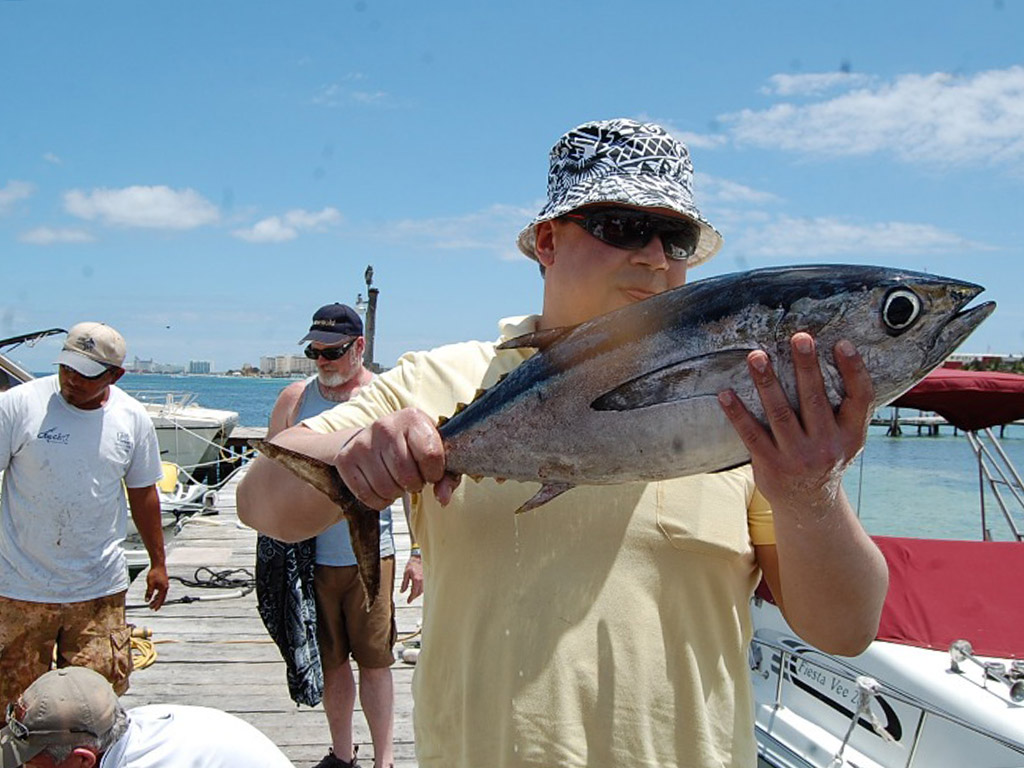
{"x":412,"y":579}
{"x":799,"y":459}
{"x":156,"y":586}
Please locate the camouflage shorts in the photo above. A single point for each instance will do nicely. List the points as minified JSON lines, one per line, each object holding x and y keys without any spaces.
{"x":91,"y":634}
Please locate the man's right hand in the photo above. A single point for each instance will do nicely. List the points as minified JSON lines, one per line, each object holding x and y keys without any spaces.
{"x":401,"y":452}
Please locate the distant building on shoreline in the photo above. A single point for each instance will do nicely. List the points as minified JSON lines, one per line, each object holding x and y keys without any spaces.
{"x":200,"y":366}
{"x":287,"y":365}
{"x":149,"y":366}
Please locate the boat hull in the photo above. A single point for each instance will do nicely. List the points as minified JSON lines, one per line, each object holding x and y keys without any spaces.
{"x":923,"y":715}
{"x":191,"y":437}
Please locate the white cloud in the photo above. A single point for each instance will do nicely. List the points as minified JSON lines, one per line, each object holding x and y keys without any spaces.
{"x":366,"y":97}
{"x":328,"y":95}
{"x":715,"y":190}
{"x":492,"y":229}
{"x":336,"y":94}
{"x":279,"y":229}
{"x":51,"y":158}
{"x":151,"y":207}
{"x":815,"y":239}
{"x":690,"y":139}
{"x":50,"y":235}
{"x":935,"y":119}
{"x":797,"y":85}
{"x":12,"y":192}
{"x":318,"y":220}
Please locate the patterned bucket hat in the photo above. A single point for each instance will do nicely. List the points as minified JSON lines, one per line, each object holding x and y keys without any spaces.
{"x":621,"y":161}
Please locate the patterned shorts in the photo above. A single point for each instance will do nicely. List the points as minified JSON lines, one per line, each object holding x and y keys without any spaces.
{"x":343,"y":626}
{"x":91,"y":634}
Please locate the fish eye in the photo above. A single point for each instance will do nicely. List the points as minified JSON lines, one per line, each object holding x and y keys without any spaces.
{"x":902,"y":307}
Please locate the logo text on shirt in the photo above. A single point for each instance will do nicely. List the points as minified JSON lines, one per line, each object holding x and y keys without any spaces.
{"x":53,"y":435}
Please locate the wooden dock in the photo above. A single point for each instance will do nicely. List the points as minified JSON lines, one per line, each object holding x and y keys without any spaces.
{"x":216,"y":653}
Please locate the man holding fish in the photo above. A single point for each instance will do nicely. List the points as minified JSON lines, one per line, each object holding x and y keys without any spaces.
{"x":609,"y":626}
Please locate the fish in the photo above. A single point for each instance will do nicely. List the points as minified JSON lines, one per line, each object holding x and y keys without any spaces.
{"x":631,"y":395}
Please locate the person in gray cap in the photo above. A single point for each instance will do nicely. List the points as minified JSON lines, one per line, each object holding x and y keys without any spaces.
{"x":319,"y":621}
{"x":610,"y":627}
{"x":69,"y":446}
{"x":71,"y":718}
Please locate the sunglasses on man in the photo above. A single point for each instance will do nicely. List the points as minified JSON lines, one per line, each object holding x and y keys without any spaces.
{"x":329,"y":353}
{"x":632,"y":230}
{"x":106,"y":369}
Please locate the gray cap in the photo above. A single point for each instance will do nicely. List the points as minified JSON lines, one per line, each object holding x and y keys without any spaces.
{"x":61,"y":707}
{"x":91,"y":348}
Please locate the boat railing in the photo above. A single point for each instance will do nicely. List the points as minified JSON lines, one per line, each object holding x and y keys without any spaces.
{"x":869,"y":689}
{"x":996,"y":471}
{"x":169,"y":400}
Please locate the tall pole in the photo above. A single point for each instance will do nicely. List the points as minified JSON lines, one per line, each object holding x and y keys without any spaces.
{"x":371,"y":317}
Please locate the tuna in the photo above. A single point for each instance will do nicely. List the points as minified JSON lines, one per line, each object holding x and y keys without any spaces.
{"x":632,"y":395}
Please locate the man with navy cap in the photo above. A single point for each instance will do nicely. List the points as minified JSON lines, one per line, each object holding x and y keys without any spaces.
{"x":611,"y":626}
{"x":70,"y":444}
{"x":320,"y":622}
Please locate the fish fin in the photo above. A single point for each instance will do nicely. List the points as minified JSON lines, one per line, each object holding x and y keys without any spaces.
{"x":364,"y":533}
{"x":364,"y":522}
{"x":703,"y":376}
{"x":537,"y":339}
{"x":321,"y":475}
{"x":547,"y":492}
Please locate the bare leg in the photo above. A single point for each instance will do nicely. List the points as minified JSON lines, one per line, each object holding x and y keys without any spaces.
{"x":377,"y":695}
{"x":339,"y":703}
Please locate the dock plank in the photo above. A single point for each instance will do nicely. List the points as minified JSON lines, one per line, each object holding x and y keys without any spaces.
{"x":216,"y":652}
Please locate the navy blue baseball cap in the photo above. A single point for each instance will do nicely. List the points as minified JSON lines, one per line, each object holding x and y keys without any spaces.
{"x":334,"y":324}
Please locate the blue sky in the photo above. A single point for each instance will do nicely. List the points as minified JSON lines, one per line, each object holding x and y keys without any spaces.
{"x":204,"y":175}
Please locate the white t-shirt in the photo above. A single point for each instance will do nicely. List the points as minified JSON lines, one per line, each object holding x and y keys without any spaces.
{"x":191,"y":737}
{"x":63,"y":510}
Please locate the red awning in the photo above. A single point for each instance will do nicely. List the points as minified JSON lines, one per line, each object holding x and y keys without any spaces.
{"x":943,"y":591}
{"x":968,"y":400}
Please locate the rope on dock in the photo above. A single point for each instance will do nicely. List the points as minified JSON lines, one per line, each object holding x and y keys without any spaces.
{"x":224,"y":579}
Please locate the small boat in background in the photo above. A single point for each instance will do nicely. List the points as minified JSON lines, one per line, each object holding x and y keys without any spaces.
{"x":190,"y":435}
{"x":942,"y":686}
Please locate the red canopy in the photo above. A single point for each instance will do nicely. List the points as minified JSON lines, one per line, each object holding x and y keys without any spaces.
{"x":942,"y":591}
{"x":968,"y":400}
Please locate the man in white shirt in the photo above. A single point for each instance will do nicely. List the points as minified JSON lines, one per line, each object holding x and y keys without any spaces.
{"x":71,"y":718}
{"x":70,"y":445}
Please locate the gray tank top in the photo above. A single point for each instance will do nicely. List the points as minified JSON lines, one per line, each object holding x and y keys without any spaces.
{"x":333,"y":546}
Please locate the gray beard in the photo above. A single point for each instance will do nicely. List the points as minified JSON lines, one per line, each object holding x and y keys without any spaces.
{"x":331,"y":379}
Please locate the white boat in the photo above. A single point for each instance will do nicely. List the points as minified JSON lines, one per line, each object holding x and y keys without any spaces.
{"x":189,"y":435}
{"x":942,"y":686}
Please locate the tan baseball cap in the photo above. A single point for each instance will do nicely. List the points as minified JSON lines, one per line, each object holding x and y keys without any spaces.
{"x":59,"y":708}
{"x":91,"y":348}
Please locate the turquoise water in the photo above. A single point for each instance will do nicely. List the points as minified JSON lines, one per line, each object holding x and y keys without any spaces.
{"x":903,"y":486}
{"x":928,"y":486}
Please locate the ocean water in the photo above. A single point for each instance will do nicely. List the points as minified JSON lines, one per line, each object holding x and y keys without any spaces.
{"x":902,"y":486}
{"x":252,"y":398}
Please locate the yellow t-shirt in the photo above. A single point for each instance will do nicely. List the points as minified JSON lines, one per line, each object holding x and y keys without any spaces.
{"x":607,"y":627}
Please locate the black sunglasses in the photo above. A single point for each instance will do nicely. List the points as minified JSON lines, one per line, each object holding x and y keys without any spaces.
{"x":97,"y":377}
{"x":329,"y":353}
{"x":633,"y":230}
